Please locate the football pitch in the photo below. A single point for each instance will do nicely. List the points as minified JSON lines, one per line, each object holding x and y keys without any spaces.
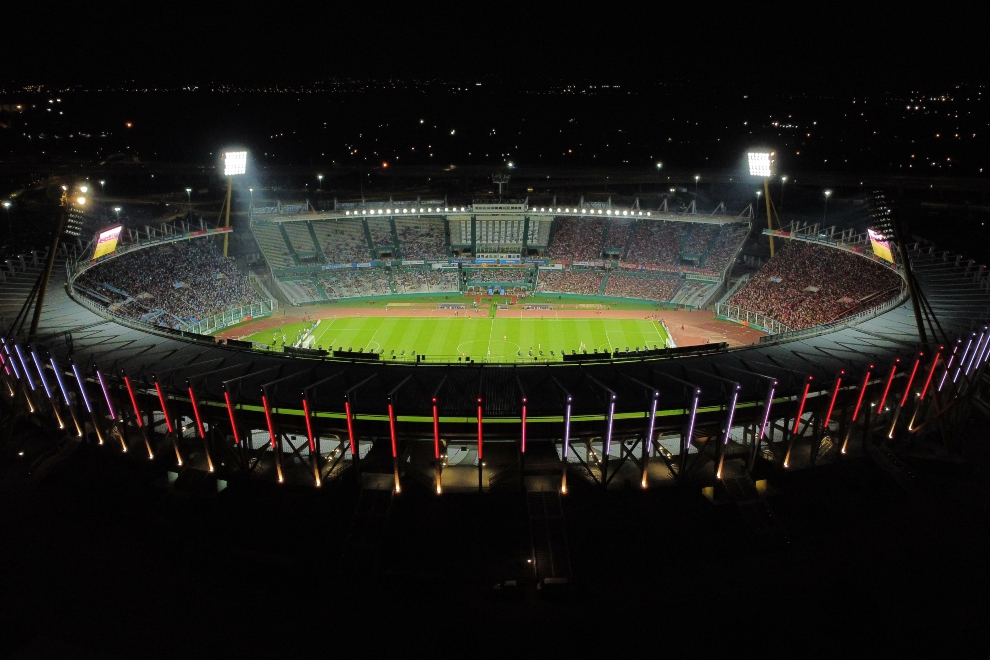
{"x":471,"y":337}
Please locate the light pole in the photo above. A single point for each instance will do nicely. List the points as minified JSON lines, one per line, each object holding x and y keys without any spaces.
{"x":116,"y":210}
{"x":10,"y":227}
{"x":659,"y":180}
{"x":103,"y":185}
{"x":70,"y":198}
{"x":251,"y":193}
{"x":697,"y":177}
{"x":761,"y":165}
{"x":828,"y":193}
{"x":234,"y":164}
{"x":783,"y":180}
{"x":189,"y":199}
{"x":319,"y":177}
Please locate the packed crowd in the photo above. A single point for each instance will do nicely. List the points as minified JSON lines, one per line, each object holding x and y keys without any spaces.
{"x":699,"y":239}
{"x":648,"y":288}
{"x":422,"y":241}
{"x":381,"y":232}
{"x":492,"y":275}
{"x":585,"y":282}
{"x":190,"y":280}
{"x":578,"y":239}
{"x":343,"y":241}
{"x":657,"y":242}
{"x":355,"y":282}
{"x":424,"y":280}
{"x":619,"y":232}
{"x":725,"y":245}
{"x":806,"y":285}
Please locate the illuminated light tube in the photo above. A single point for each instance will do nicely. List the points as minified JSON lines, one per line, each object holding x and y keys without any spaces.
{"x":233,"y":422}
{"x":82,"y":389}
{"x":161,"y":399}
{"x":391,"y":428}
{"x":309,"y":425}
{"x":694,"y":412}
{"x":199,"y":422}
{"x":886,"y":390}
{"x":732,"y":412}
{"x":567,"y":445}
{"x":567,"y":429}
{"x":907,"y":388}
{"x":480,"y":440}
{"x":931,"y":372}
{"x":27,"y":374}
{"x":350,"y":427}
{"x":978,"y":351}
{"x":58,"y":378}
{"x":862,"y":391}
{"x":130,"y":392}
{"x":268,"y":418}
{"x":41,"y":374}
{"x":653,"y":420}
{"x":436,"y":433}
{"x":797,"y":420}
{"x":48,"y":390}
{"x":766,"y":410}
{"x":958,"y":366}
{"x":608,"y":432}
{"x":524,"y":428}
{"x":831,"y":404}
{"x":13,"y":362}
{"x":106,"y":394}
{"x":271,"y":436}
{"x":948,"y":366}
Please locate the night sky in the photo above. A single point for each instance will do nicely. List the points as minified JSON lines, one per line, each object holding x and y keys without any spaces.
{"x":797,"y":48}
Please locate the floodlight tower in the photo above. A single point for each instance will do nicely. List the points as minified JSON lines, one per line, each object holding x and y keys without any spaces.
{"x":500,"y":180}
{"x":73,"y":197}
{"x":10,"y":227}
{"x":761,"y":165}
{"x":234,"y":164}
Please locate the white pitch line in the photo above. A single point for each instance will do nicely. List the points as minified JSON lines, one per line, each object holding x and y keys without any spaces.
{"x":325,"y":331}
{"x":663,"y":339}
{"x":491,"y":329}
{"x":372,"y":340}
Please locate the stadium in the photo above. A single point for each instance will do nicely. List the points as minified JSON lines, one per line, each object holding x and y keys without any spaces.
{"x":546,"y":344}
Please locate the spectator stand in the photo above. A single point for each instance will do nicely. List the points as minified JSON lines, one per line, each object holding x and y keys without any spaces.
{"x":165,"y":277}
{"x":813,"y":283}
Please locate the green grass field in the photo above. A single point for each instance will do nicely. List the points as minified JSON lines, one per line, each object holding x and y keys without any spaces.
{"x":479,"y":338}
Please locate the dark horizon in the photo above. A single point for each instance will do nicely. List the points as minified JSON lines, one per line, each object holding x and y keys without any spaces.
{"x":807,"y":51}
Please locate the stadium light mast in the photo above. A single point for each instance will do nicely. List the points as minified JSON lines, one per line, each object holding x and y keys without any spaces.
{"x":234,"y":164}
{"x":72,"y":196}
{"x":10,"y":227}
{"x":761,"y":165}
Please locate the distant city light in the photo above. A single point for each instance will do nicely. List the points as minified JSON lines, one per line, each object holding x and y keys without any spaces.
{"x":234,"y":162}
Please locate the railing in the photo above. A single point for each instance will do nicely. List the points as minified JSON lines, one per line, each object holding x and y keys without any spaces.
{"x":235,"y":315}
{"x":855,"y":319}
{"x":757,"y":320}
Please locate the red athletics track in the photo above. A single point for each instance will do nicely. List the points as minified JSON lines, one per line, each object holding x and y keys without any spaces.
{"x":689,"y":328}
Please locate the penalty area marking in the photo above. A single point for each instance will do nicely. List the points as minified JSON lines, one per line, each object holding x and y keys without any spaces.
{"x":320,"y":338}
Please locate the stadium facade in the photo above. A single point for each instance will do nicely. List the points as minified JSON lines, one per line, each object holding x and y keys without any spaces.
{"x":180,"y":397}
